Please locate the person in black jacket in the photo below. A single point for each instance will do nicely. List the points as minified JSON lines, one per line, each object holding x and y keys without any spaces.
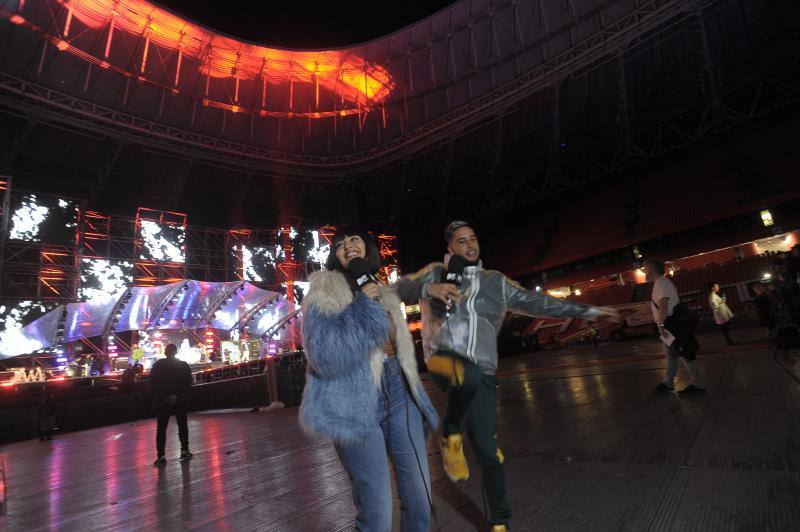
{"x":170,"y":380}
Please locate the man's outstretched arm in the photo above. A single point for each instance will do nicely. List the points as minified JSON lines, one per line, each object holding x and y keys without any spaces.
{"x":411,"y":288}
{"x":537,"y":304}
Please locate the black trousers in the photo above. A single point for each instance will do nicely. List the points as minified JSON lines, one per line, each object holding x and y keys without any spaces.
{"x":163,"y":411}
{"x":726,"y":332}
{"x":477,"y":404}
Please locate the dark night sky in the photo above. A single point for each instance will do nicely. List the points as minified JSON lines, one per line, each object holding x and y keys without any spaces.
{"x":304,"y":24}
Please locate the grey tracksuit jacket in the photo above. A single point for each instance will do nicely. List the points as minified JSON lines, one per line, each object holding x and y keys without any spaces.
{"x":471,"y":327}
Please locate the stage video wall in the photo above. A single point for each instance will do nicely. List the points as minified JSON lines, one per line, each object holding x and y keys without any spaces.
{"x":41,"y":218}
{"x":102,"y":280}
{"x":259,"y":260}
{"x":163,"y":242}
{"x":98,"y":256}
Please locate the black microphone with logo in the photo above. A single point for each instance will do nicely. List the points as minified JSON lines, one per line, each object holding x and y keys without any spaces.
{"x":360,"y":271}
{"x":453,"y":275}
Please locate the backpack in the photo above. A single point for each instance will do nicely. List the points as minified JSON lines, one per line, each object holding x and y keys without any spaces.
{"x":683,"y":324}
{"x":686,"y":316}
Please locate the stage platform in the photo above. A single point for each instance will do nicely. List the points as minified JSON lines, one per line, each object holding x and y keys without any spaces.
{"x":588,"y":447}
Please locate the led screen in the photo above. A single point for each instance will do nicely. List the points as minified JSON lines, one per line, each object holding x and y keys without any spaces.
{"x":306,"y":245}
{"x":318,"y":251}
{"x":162,"y":242}
{"x":103,"y":280}
{"x":257,"y":262}
{"x":300,"y":290}
{"x":13,"y":317}
{"x":41,"y":218}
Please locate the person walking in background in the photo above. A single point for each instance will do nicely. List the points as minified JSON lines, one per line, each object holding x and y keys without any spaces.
{"x":663,"y":301}
{"x":47,"y":416}
{"x":722,"y":314}
{"x":170,"y":381}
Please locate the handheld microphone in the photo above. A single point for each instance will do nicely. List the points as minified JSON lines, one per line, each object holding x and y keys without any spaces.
{"x":359,"y":269}
{"x":455,"y":270}
{"x":453,"y":275}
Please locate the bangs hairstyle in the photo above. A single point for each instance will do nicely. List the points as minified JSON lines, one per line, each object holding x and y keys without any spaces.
{"x":371,"y":254}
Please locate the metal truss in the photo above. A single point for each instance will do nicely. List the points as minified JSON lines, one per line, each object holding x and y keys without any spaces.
{"x":38,"y":271}
{"x":253,"y":312}
{"x":280,"y":324}
{"x":219,"y":301}
{"x":51,"y":104}
{"x":719,"y":113}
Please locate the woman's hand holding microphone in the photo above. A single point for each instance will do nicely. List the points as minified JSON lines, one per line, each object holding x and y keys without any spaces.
{"x":371,"y":291}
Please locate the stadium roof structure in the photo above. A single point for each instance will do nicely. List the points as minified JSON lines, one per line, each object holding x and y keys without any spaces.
{"x":480,"y":108}
{"x":182,"y":305}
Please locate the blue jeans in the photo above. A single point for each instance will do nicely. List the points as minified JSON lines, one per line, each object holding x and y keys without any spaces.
{"x":399,"y":432}
{"x":672,"y":356}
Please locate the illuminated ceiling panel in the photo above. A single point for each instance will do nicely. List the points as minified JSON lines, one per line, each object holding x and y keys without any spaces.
{"x":130,"y":69}
{"x":184,"y":49}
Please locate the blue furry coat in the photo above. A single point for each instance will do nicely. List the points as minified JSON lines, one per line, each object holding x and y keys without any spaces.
{"x":343,"y":337}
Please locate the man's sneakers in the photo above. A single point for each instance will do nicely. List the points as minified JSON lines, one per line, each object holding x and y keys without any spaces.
{"x":691,"y":390}
{"x":160,"y":461}
{"x":662,"y":388}
{"x":455,"y":464}
{"x":185,"y":455}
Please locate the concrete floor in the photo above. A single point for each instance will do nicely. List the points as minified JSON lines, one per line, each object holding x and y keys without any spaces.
{"x":588,"y":446}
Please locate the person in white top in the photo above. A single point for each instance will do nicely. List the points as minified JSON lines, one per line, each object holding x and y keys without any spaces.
{"x":663,"y":301}
{"x":722,"y":314}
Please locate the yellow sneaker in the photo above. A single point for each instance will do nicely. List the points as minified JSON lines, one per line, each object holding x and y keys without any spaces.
{"x":499,"y":528}
{"x":446,"y":366}
{"x":455,"y":464}
{"x":500,"y":457}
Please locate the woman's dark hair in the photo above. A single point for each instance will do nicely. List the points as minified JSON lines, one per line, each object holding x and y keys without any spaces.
{"x":711,"y":286}
{"x":371,"y":254}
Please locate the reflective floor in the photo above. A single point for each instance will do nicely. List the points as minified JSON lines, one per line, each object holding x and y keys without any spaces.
{"x":588,"y":446}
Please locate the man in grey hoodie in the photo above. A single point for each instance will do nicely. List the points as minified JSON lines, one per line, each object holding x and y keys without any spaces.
{"x":461,"y":346}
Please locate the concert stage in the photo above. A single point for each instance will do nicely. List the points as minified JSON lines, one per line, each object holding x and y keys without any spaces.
{"x":588,"y":446}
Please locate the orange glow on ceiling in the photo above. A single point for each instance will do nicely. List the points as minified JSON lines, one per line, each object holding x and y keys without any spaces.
{"x":338,"y":71}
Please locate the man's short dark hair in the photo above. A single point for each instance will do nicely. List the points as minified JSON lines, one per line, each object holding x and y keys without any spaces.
{"x":659,"y":267}
{"x":454,"y":226}
{"x":371,"y":253}
{"x":171,"y":350}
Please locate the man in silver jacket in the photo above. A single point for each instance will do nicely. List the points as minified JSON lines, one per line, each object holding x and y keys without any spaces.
{"x":460,"y":344}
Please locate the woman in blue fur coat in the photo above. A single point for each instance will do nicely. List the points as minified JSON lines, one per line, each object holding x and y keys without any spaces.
{"x":363,"y":389}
